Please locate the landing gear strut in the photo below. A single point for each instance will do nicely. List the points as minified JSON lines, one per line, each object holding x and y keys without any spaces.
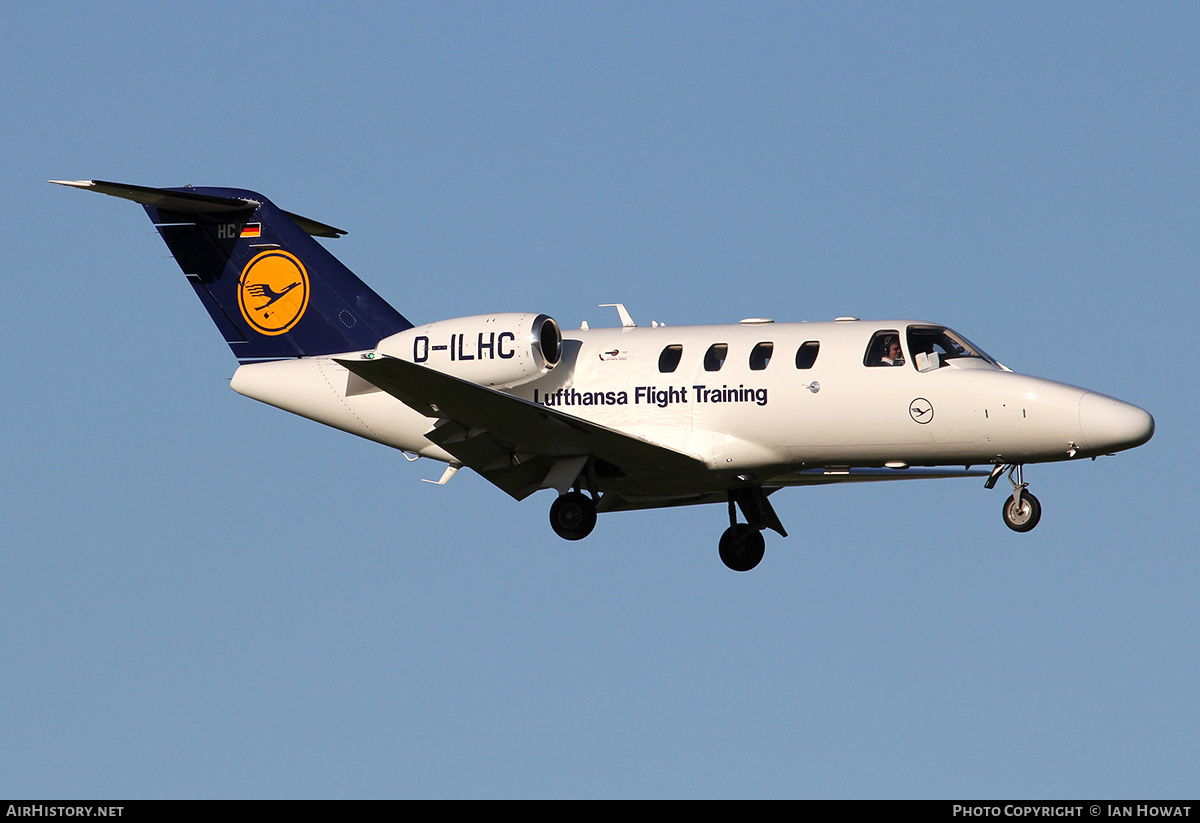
{"x":1022,"y":510}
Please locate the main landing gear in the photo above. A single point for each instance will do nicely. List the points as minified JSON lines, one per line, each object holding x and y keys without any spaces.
{"x":742,"y":544}
{"x":573,"y":515}
{"x":1022,"y":510}
{"x":742,"y":547}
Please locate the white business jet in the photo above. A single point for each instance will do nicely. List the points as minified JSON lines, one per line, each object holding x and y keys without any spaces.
{"x":627,"y":417}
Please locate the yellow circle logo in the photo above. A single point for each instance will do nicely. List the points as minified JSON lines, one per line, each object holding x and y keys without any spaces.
{"x":273,"y":292}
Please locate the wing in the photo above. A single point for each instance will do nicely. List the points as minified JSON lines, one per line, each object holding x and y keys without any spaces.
{"x":521,"y":446}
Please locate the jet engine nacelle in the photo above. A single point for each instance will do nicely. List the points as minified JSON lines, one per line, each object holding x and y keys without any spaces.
{"x":497,"y":350}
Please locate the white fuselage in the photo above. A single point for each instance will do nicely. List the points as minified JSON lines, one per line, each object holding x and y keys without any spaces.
{"x":784,"y":414}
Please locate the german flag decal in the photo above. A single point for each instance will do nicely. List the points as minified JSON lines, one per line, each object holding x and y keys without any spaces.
{"x":252,"y":230}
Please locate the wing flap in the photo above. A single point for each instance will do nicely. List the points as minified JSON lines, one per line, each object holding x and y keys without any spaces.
{"x":494,"y":460}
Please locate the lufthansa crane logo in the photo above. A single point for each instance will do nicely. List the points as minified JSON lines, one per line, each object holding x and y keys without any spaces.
{"x":921,"y":410}
{"x":273,"y":292}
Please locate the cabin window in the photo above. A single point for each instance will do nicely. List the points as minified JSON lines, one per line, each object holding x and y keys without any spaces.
{"x":714,"y":358}
{"x":932,"y":346}
{"x":668,"y":361}
{"x":884,"y":349}
{"x":806,"y":355}
{"x":760,"y":356}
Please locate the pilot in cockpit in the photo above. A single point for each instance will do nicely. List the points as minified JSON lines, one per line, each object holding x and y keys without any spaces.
{"x":892,"y":355}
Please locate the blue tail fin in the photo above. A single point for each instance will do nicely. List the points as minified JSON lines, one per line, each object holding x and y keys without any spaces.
{"x":273,"y":290}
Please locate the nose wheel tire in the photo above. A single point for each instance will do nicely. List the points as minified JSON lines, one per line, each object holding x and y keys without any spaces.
{"x":573,"y":516}
{"x":742,"y":547}
{"x":1024,"y":517}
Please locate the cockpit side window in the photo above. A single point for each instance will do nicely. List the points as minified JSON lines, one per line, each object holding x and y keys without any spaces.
{"x":932,"y":346}
{"x":884,"y":349}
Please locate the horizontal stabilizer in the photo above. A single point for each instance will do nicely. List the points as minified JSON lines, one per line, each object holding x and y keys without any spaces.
{"x":187,"y":202}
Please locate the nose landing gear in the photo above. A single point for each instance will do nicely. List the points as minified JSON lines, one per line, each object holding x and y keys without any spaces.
{"x":1022,"y":510}
{"x":1022,"y":513}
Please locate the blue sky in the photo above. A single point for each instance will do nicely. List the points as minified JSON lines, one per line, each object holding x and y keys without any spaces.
{"x":207,"y":597}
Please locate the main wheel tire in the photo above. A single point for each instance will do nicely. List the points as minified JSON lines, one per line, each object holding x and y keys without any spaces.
{"x":573,"y":516}
{"x":1024,"y":517}
{"x":742,"y":547}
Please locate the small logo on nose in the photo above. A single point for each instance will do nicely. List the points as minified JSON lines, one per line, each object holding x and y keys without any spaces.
{"x":921,"y":410}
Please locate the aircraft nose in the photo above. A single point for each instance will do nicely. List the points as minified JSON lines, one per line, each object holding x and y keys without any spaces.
{"x":1110,"y":425}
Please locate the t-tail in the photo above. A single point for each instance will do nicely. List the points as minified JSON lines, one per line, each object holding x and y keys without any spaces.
{"x":272,"y":289}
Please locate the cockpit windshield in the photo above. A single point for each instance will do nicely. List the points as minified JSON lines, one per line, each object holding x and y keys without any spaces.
{"x":932,"y":346}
